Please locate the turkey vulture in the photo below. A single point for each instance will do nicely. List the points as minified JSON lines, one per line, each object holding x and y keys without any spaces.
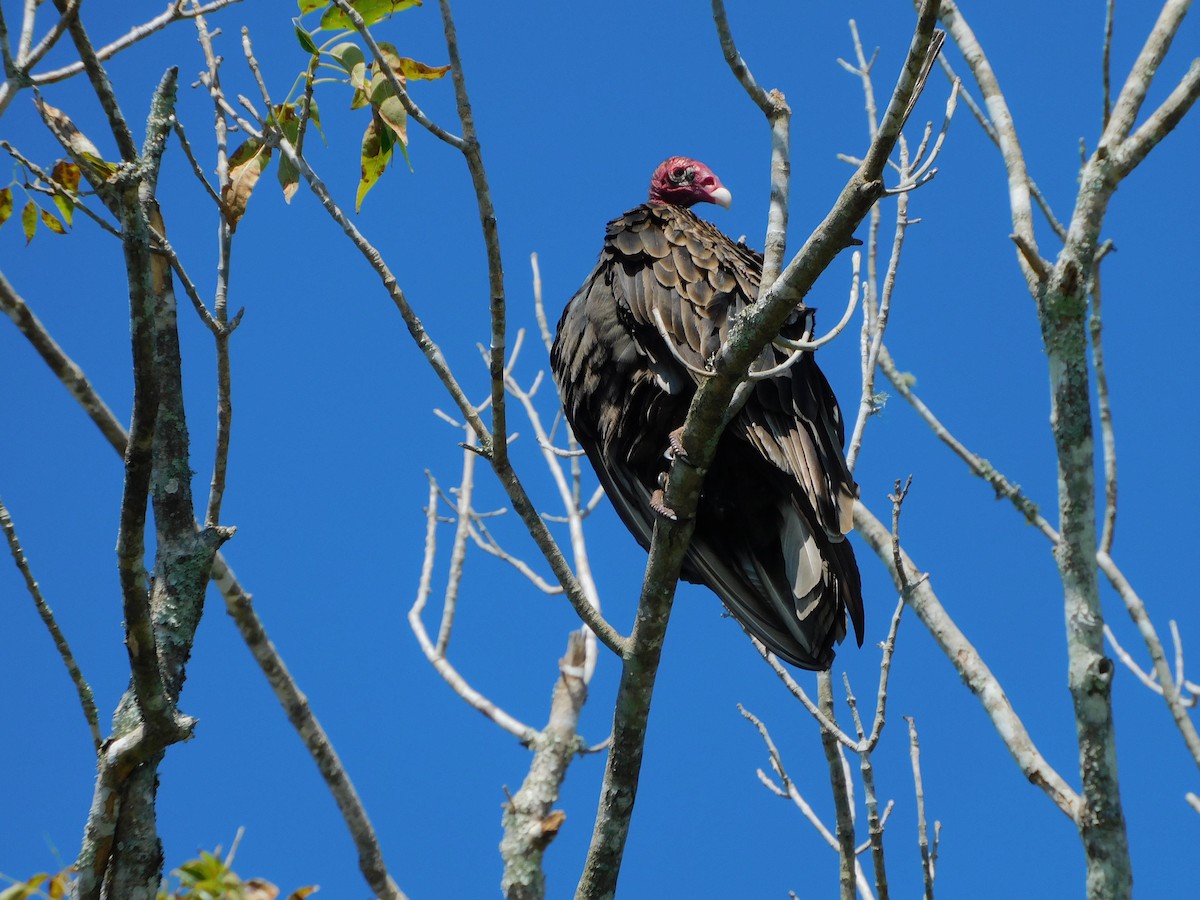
{"x":631,"y":347}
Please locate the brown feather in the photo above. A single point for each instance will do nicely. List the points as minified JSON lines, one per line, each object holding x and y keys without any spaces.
{"x":776,"y":501}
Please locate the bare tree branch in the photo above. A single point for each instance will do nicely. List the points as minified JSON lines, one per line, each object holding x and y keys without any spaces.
{"x":970,"y":666}
{"x":224,"y":329}
{"x":435,"y":653}
{"x":779,"y":117}
{"x":174,"y":12}
{"x":82,"y":688}
{"x":433,"y":354}
{"x":839,"y":783}
{"x":1005,"y":129}
{"x":927,"y":858}
{"x":1141,"y":619}
{"x":790,"y":791}
{"x":1137,"y":84}
{"x":239,"y":605}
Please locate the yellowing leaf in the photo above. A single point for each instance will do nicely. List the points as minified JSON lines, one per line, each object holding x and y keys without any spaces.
{"x":66,"y":174}
{"x":376,"y":153}
{"x":418,"y":71}
{"x":307,"y":6}
{"x":51,"y":222}
{"x":6,"y":204}
{"x":301,"y":893}
{"x":245,"y":166}
{"x":59,"y":884}
{"x":29,"y":220}
{"x":370,"y":10}
{"x":391,"y":111}
{"x":406,"y":68}
{"x":66,"y":206}
{"x":23,"y":890}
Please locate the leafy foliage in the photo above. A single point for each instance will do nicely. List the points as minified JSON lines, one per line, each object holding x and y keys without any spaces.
{"x":207,"y":877}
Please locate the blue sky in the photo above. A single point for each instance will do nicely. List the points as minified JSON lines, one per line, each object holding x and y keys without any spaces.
{"x":575,"y":105}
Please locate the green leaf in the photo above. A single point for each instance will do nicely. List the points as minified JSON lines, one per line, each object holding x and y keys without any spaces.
{"x":246,"y":165}
{"x":350,"y":57}
{"x":305,"y":38}
{"x":391,"y":111}
{"x":371,"y":11}
{"x":307,"y":6}
{"x":376,"y":153}
{"x":348,"y":54}
{"x":29,"y":220}
{"x":6,"y":204}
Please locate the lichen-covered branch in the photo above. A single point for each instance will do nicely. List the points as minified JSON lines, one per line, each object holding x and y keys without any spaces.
{"x":530,"y":821}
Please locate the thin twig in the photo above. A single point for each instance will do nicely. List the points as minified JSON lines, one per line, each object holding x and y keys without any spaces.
{"x":1005,"y":129}
{"x":82,"y":688}
{"x":790,"y":791}
{"x":216,"y":492}
{"x":433,"y":354}
{"x":295,"y":704}
{"x":437,"y":659}
{"x":969,"y":665}
{"x":779,"y":117}
{"x":927,"y":870}
{"x":1104,"y":407}
{"x":174,"y":12}
{"x":874,"y":821}
{"x":1106,"y":64}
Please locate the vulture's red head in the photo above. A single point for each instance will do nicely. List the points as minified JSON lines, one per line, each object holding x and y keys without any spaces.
{"x":682,"y":182}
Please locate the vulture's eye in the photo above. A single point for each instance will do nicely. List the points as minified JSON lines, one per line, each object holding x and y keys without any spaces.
{"x":683,"y":175}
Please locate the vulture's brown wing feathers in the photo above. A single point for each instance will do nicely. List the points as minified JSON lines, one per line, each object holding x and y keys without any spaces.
{"x":631,"y":347}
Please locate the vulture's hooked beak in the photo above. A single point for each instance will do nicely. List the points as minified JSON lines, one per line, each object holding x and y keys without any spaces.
{"x":722,"y":197}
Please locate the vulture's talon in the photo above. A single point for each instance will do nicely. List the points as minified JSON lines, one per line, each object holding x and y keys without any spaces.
{"x":676,"y":451}
{"x":658,"y":503}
